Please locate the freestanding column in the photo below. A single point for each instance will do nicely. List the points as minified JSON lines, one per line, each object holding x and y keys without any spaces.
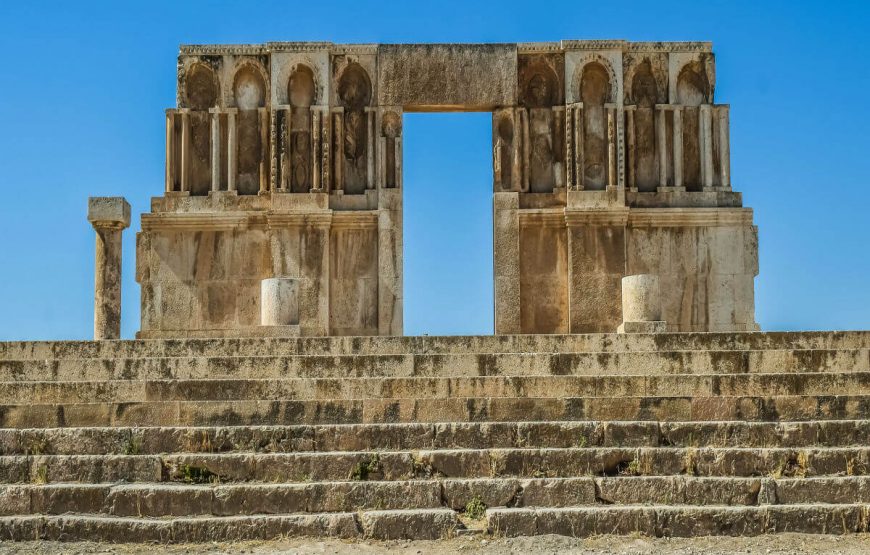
{"x":109,"y":216}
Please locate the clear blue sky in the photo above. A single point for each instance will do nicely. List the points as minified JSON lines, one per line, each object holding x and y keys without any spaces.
{"x":84,"y":87}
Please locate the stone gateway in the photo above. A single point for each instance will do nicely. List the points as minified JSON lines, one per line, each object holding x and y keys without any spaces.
{"x":284,"y":160}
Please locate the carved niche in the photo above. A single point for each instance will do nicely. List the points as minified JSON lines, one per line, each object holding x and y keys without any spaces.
{"x":249,"y":97}
{"x":353,"y":141}
{"x":506,"y":169}
{"x":595,"y":91}
{"x":201,"y":92}
{"x":646,"y":86}
{"x":693,"y":90}
{"x":296,"y":159}
{"x":541,"y":100}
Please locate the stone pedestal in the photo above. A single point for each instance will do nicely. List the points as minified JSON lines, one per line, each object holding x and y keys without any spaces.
{"x":641,"y":305}
{"x":109,"y":216}
{"x":279,"y":302}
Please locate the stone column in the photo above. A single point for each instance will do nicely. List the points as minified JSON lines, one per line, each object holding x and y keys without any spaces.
{"x":185,"y":151}
{"x":279,"y":302}
{"x":724,"y":149}
{"x":662,"y":144}
{"x":171,"y":163}
{"x":678,"y":147}
{"x":232,"y":158}
{"x":631,"y":155}
{"x":641,"y":305}
{"x":612,"y":178}
{"x":109,"y":216}
{"x":215,"y":149}
{"x":706,"y":145}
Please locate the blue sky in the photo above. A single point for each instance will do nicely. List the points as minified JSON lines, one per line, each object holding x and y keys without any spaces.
{"x":85,"y":84}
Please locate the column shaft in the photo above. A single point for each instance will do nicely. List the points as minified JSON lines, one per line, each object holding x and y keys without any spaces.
{"x":662,"y":144}
{"x":232,"y":159}
{"x":107,"y":283}
{"x":215,"y":151}
{"x":678,"y":147}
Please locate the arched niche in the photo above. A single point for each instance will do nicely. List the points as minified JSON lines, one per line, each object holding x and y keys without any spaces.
{"x":540,"y":87}
{"x":200,"y":87}
{"x":539,"y":92}
{"x":693,"y":89}
{"x":249,"y":94}
{"x":643,"y":94}
{"x":301,"y":87}
{"x":354,"y":94}
{"x":296,"y":142}
{"x":200,"y":94}
{"x":595,"y":90}
{"x":249,"y":88}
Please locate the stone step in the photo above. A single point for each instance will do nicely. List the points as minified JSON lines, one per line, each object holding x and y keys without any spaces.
{"x":662,"y":520}
{"x":160,"y":500}
{"x":680,"y":521}
{"x":380,"y":525}
{"x":455,"y":409}
{"x":413,"y":436}
{"x":444,"y":463}
{"x":335,"y":389}
{"x":35,"y":350}
{"x":650,"y":363}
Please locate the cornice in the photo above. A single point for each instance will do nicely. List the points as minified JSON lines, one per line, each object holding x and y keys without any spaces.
{"x":205,"y":221}
{"x":690,"y":217}
{"x":547,"y":217}
{"x":222,"y":49}
{"x":355,"y":219}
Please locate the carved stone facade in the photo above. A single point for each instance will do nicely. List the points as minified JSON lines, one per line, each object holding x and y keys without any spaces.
{"x":284,"y":160}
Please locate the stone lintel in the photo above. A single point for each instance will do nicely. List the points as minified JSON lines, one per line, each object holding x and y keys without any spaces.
{"x":444,"y":77}
{"x":109,"y":212}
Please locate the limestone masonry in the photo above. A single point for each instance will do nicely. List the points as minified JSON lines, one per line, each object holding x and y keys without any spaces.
{"x":241,"y":413}
{"x":284,"y":160}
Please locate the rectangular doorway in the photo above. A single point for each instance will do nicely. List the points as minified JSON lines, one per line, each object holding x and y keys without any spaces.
{"x":447,"y":216}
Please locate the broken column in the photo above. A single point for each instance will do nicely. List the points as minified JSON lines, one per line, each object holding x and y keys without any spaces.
{"x":279,"y":302}
{"x":109,"y":216}
{"x":641,"y":305}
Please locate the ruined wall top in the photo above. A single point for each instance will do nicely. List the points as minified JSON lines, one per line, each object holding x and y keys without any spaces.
{"x":443,"y":76}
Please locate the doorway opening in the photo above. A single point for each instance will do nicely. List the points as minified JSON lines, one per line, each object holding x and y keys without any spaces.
{"x":447,"y":218}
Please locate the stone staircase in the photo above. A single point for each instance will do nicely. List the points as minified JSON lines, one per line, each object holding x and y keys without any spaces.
{"x":428,"y":437}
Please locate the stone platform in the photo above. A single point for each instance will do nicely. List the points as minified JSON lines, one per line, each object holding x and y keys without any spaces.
{"x":431,"y":437}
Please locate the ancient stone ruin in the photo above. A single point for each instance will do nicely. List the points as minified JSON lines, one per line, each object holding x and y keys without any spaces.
{"x":626,"y":390}
{"x":284,"y":161}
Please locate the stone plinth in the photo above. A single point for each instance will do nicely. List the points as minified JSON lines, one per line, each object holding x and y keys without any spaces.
{"x":109,"y":216}
{"x":641,"y":305}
